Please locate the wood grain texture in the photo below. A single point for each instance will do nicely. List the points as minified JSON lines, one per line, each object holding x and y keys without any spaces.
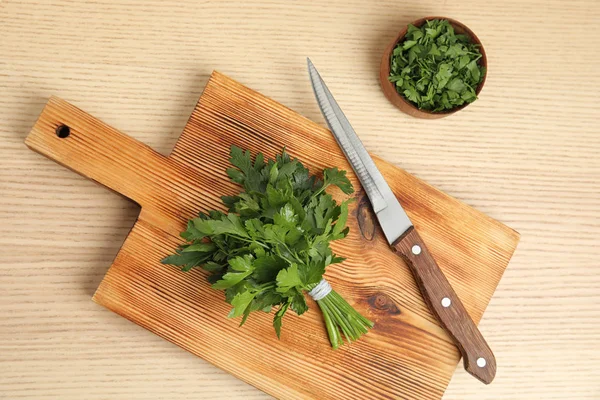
{"x":525,"y":153}
{"x":406,"y":355}
{"x":445,"y":304}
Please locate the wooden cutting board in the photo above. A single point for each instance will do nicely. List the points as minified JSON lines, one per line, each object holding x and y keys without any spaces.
{"x":406,"y":355}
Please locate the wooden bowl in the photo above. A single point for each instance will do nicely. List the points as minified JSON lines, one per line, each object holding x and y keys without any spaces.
{"x":389,"y":89}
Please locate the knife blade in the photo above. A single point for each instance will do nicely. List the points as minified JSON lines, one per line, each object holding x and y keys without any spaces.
{"x":400,"y":233}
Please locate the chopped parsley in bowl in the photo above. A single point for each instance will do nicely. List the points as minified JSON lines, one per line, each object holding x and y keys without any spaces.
{"x":438,"y":66}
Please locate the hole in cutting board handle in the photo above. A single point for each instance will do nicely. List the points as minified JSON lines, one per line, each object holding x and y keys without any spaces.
{"x":63,"y":131}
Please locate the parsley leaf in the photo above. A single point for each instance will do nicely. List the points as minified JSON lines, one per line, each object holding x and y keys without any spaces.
{"x":333,"y":176}
{"x":288,"y":278}
{"x":240,"y":267}
{"x":278,"y":317}
{"x":240,"y":302}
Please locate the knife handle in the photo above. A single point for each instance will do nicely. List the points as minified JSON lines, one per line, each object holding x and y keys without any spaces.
{"x":478,"y":358}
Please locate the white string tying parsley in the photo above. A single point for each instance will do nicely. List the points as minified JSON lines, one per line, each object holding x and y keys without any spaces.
{"x":322,"y":289}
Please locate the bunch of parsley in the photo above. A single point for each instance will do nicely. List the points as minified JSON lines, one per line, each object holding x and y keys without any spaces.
{"x":435,"y":68}
{"x":273,"y":244}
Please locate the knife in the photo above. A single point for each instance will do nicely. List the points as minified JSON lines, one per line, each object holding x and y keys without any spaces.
{"x":400,"y":233}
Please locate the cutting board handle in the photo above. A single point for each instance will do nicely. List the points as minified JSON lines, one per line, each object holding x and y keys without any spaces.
{"x":75,"y":139}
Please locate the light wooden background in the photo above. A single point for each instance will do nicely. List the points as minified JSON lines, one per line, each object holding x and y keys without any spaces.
{"x":527,"y":153}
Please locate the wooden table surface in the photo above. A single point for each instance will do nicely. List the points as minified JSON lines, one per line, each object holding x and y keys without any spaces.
{"x":527,"y":153}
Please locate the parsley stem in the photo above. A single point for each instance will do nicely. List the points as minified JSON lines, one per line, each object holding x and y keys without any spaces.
{"x":346,"y":328}
{"x":266,"y":286}
{"x":332,"y":330}
{"x":245,"y":239}
{"x":339,"y":316}
{"x":318,"y":192}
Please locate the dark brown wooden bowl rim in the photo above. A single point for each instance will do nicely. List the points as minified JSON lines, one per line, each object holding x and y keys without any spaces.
{"x":460,"y":28}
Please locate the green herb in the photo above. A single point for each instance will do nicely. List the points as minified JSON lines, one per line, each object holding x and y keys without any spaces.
{"x":272,"y":246}
{"x":435,"y":68}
